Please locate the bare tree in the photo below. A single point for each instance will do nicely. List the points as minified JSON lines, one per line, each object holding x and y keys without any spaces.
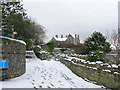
{"x":37,"y":32}
{"x":113,"y":39}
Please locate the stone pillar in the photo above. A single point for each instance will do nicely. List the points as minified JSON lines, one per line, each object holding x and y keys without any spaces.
{"x":119,"y":42}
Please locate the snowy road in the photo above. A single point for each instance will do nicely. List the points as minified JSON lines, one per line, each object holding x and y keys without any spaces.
{"x":47,"y":74}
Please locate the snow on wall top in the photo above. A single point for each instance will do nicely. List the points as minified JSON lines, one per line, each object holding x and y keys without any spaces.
{"x":13,"y":40}
{"x":60,"y":39}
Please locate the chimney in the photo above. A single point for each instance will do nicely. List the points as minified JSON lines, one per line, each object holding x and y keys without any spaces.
{"x":61,"y":36}
{"x":56,"y":36}
{"x":78,"y":37}
{"x":75,"y":36}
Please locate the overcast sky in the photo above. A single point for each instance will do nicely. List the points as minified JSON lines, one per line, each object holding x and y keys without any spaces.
{"x":81,"y":17}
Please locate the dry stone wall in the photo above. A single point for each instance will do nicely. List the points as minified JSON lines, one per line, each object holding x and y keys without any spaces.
{"x":95,"y":72}
{"x":13,"y":50}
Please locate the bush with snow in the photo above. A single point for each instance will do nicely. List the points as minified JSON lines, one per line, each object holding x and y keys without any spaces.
{"x":41,"y":54}
{"x":95,"y":56}
{"x":63,"y":50}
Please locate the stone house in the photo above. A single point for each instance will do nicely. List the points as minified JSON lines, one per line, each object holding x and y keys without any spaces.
{"x":67,"y":40}
{"x":73,"y":39}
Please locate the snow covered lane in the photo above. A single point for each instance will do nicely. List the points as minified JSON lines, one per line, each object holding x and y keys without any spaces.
{"x":47,"y":74}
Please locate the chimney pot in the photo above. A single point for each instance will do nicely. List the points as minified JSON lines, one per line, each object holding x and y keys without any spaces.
{"x":56,"y":36}
{"x":61,"y":36}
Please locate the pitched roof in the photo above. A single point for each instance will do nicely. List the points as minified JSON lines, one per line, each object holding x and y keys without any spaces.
{"x":73,"y":35}
{"x":60,"y":39}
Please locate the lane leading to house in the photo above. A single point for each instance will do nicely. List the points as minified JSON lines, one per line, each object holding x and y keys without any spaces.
{"x":46,"y":74}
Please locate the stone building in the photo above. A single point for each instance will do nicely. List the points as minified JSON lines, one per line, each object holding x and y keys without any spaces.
{"x":65,"y":40}
{"x":73,"y":39}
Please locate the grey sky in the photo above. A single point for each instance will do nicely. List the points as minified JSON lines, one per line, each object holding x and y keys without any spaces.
{"x":74,"y":16}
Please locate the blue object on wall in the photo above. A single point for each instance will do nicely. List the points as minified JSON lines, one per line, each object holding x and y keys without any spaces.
{"x":3,"y":63}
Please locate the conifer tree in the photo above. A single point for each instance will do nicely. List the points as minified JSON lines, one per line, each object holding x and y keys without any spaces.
{"x":96,"y":42}
{"x":12,"y":12}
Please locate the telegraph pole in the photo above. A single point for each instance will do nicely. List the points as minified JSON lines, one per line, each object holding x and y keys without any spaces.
{"x":118,"y":34}
{"x":119,"y":43}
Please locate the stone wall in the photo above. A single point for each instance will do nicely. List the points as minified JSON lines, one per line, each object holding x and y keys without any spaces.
{"x":107,"y":78}
{"x":13,"y":50}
